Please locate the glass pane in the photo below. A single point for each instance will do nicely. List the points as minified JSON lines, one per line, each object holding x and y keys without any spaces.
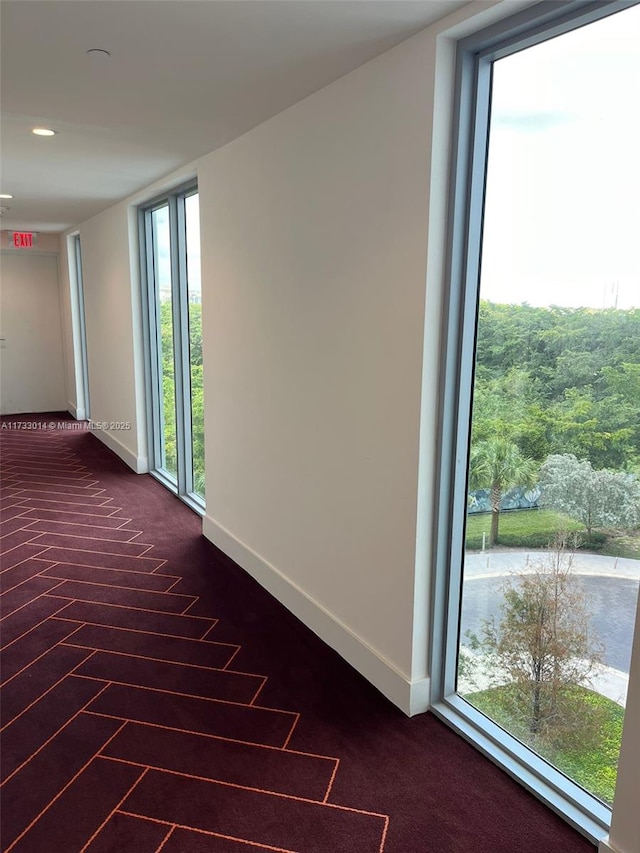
{"x":164,"y":306}
{"x":553,"y":514}
{"x":194,"y":300}
{"x":81,"y":330}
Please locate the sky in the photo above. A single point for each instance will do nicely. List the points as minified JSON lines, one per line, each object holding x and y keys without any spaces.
{"x":562,"y":214}
{"x":192,"y":216}
{"x":163,"y":267}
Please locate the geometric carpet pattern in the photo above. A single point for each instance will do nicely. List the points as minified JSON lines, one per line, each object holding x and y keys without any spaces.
{"x":125,"y":724}
{"x":156,"y":698}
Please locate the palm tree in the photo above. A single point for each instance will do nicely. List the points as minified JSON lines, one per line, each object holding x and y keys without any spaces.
{"x":499,"y":464}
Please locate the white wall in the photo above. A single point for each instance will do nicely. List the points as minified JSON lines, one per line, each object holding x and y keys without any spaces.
{"x":316,"y":235}
{"x":314,"y":261}
{"x":31,"y":357}
{"x":109,"y":294}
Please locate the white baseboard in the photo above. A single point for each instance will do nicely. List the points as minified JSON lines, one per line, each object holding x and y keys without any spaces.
{"x":412,"y":697}
{"x":140,"y":464}
{"x":606,"y":846}
{"x":78,"y":413}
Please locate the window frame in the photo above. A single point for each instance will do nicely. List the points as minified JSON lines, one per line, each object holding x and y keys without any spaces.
{"x":475,"y":55}
{"x":79,"y":331}
{"x":174,"y":200}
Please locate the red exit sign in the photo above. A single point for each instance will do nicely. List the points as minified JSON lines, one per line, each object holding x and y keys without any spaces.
{"x":23,"y":239}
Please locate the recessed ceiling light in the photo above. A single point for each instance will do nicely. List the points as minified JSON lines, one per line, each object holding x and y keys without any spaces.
{"x":6,"y":195}
{"x":44,"y":131}
{"x":98,"y":52}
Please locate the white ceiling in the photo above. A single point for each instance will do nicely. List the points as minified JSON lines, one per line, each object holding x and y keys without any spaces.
{"x":184,"y":77}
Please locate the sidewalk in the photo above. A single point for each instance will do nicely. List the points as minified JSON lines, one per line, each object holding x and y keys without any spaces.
{"x":611,"y":683}
{"x":496,"y":563}
{"x":608,"y":682}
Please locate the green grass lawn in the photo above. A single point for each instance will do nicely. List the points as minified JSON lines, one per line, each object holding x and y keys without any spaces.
{"x":536,"y":528}
{"x":594,"y":766}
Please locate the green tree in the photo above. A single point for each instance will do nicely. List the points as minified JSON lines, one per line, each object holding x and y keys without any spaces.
{"x":597,"y":498}
{"x":560,"y":380}
{"x":168,"y":387}
{"x":498,"y":464}
{"x":591,"y":428}
{"x":197,"y":396}
{"x":620,"y":407}
{"x":169,"y":393}
{"x":195,"y":333}
{"x":543,"y":647}
{"x":510,"y":406}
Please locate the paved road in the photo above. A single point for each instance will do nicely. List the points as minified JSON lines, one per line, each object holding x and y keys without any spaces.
{"x":611,"y":586}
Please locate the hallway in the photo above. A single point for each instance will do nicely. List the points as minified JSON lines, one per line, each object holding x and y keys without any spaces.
{"x":207,"y":716}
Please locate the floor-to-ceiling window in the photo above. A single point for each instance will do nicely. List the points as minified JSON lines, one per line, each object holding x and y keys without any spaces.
{"x":170,"y":243}
{"x":79,"y":334}
{"x":539,"y":539}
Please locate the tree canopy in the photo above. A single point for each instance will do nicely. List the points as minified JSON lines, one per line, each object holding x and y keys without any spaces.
{"x":596,"y":498}
{"x":169,"y":393}
{"x":560,"y":380}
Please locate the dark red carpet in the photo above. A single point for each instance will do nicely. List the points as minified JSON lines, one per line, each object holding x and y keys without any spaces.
{"x":154,"y":697}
